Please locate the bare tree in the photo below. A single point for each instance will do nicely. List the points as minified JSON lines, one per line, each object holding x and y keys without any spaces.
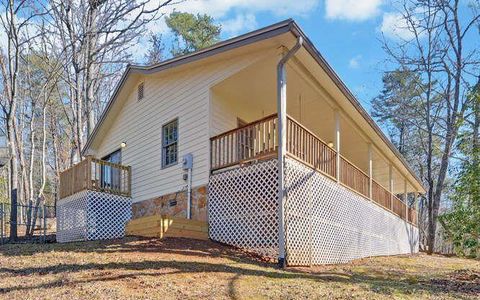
{"x":15,"y":21}
{"x":93,"y":34}
{"x":436,"y":52}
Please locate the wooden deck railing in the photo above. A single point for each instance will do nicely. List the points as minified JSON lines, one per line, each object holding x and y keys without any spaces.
{"x":353,"y":177}
{"x":252,"y":141}
{"x":381,"y":195}
{"x":96,"y":175}
{"x":412,"y":216}
{"x":307,"y":147}
{"x":258,"y":140}
{"x":398,"y":207}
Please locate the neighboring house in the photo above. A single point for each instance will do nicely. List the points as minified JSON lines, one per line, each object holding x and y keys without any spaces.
{"x":284,"y":160}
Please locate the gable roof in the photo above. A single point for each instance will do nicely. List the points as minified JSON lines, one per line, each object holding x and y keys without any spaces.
{"x":268,"y":32}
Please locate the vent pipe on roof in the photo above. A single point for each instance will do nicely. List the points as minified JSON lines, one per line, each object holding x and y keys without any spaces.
{"x":282,"y":143}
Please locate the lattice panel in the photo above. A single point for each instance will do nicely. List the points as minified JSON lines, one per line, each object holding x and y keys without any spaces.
{"x":90,"y":215}
{"x":243,"y":208}
{"x":72,"y":218}
{"x":327,"y":223}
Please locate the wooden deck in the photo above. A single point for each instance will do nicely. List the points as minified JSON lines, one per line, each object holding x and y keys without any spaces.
{"x":96,"y":175}
{"x":259,"y":140}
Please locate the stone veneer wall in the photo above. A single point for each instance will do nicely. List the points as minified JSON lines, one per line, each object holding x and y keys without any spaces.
{"x":161,"y":205}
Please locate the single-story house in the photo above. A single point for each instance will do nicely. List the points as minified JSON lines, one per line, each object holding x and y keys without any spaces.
{"x":258,"y":137}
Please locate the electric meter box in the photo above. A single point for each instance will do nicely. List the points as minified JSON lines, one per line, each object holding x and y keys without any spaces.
{"x":187,"y":161}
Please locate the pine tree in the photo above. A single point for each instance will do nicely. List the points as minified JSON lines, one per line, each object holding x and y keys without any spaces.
{"x":192,"y":32}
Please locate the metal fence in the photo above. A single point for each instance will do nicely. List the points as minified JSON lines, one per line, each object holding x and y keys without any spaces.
{"x":42,"y":218}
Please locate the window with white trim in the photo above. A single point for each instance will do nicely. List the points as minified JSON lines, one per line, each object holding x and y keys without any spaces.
{"x":170,"y":143}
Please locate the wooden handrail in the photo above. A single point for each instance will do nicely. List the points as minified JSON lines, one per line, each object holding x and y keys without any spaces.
{"x":258,"y":140}
{"x":97,"y":175}
{"x":308,"y":130}
{"x":354,"y":177}
{"x":269,"y":117}
{"x":252,"y":141}
{"x":304,"y":145}
{"x":412,"y":216}
{"x":351,"y":163}
{"x":107,"y":163}
{"x":399,"y":207}
{"x":381,"y":195}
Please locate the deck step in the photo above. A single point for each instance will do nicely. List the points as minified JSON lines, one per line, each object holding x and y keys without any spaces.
{"x":165,"y":226}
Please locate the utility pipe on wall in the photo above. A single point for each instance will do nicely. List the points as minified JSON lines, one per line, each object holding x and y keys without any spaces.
{"x":282,"y":143}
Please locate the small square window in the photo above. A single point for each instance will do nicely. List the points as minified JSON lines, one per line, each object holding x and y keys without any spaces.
{"x":140,"y":91}
{"x":170,"y":143}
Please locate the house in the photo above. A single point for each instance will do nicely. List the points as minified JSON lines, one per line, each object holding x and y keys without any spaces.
{"x":257,"y":136}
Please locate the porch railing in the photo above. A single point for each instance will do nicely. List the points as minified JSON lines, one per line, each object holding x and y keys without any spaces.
{"x":398,"y":207}
{"x":97,"y":175}
{"x":353,"y":177}
{"x":252,"y":141}
{"x":381,"y":195}
{"x":310,"y":149}
{"x":258,"y":140}
{"x":412,"y":216}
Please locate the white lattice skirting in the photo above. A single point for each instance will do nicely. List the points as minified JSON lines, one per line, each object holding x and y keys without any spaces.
{"x":325,"y":222}
{"x":242,"y":208}
{"x":90,"y":215}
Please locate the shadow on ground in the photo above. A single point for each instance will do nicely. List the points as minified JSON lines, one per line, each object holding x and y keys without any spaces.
{"x":237,"y":263}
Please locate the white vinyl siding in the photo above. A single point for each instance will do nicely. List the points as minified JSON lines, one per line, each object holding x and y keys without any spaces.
{"x":223,"y":118}
{"x":182,"y":95}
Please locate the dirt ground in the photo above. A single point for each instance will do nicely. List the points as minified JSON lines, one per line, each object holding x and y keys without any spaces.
{"x":135,"y":268}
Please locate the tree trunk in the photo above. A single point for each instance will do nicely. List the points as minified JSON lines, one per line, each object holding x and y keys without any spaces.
{"x":13,"y":179}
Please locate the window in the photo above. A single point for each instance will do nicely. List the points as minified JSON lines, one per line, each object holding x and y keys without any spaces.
{"x":111,"y":177}
{"x":140,"y":91}
{"x":170,"y":143}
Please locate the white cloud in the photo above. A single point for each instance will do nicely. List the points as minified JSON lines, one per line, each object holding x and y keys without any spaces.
{"x":353,"y":10}
{"x":395,"y":26}
{"x":219,"y":8}
{"x":239,"y":24}
{"x":354,"y":62}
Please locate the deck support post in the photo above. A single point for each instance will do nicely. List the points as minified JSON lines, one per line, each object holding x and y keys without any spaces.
{"x":337,"y":144}
{"x":390,"y":184}
{"x":370,"y":170}
{"x":282,"y":146}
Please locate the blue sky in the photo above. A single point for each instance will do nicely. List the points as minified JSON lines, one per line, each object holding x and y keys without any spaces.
{"x":347,"y":32}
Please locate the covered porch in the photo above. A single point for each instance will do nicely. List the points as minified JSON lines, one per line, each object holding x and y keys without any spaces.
{"x":322,"y":132}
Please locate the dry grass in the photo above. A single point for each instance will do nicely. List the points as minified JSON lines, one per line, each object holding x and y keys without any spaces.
{"x":179,"y":268}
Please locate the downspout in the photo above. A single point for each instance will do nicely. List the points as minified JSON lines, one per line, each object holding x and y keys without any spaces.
{"x":282,"y":145}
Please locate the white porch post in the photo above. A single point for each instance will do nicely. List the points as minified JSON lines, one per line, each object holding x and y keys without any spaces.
{"x":390,"y":184}
{"x":337,"y":144}
{"x":370,"y":170}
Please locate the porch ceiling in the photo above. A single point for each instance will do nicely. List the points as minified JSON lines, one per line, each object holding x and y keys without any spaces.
{"x":251,"y":94}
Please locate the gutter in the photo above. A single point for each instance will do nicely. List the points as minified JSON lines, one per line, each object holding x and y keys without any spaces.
{"x":282,"y":145}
